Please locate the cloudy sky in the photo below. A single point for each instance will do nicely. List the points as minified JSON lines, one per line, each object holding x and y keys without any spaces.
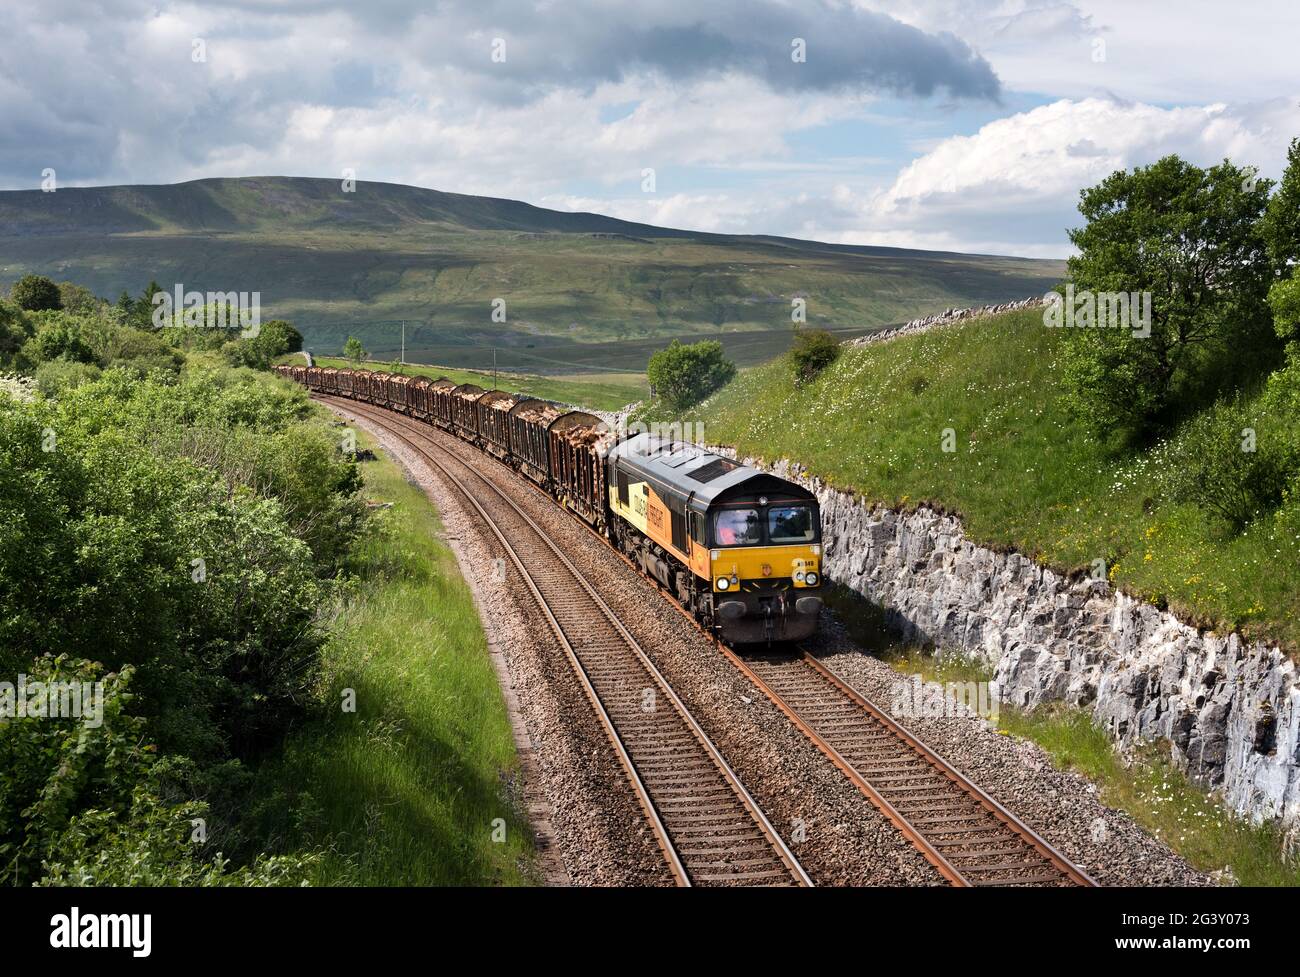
{"x":957,"y":124}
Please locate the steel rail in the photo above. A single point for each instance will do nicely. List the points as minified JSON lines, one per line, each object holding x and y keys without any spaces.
{"x":392,"y":421}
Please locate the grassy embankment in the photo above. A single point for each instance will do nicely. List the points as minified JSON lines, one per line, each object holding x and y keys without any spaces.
{"x":405,"y":790}
{"x":612,"y":391}
{"x":1024,"y":474}
{"x":1149,"y":788}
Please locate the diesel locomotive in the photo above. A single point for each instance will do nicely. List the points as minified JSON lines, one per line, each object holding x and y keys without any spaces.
{"x":740,"y":549}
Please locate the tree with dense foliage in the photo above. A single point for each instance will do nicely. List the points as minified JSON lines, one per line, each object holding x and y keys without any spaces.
{"x":186,"y":532}
{"x":35,"y":293}
{"x":684,"y":375}
{"x":1192,"y":238}
{"x":353,"y":350}
{"x":78,"y":299}
{"x":58,"y":337}
{"x":813,"y":351}
{"x":15,"y":330}
{"x":273,"y":339}
{"x":1284,"y":300}
{"x":1282,"y":220}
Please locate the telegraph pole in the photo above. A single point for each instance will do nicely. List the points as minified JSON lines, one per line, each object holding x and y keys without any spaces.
{"x":403,"y":342}
{"x":494,"y":367}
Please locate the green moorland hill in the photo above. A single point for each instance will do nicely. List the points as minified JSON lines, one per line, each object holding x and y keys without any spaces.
{"x":581,"y":290}
{"x":1025,"y":474}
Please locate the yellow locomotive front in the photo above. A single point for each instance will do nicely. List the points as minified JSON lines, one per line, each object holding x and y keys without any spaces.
{"x":740,"y":548}
{"x":765,"y":565}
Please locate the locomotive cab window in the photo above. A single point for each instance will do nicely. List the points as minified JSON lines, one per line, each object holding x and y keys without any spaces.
{"x":791,"y":524}
{"x":696,"y":522}
{"x":738,"y":527}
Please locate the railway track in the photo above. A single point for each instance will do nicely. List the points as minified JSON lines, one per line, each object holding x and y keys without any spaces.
{"x":709,"y":829}
{"x":969,"y":837}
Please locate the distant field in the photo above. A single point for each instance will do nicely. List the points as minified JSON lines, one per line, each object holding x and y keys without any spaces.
{"x":578,"y":288}
{"x":609,"y":392}
{"x":744,"y":348}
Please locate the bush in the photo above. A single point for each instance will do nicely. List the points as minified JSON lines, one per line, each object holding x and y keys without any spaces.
{"x":15,"y":330}
{"x":274,"y":339}
{"x":58,"y":337}
{"x":813,"y":351}
{"x":682,"y":376}
{"x":57,"y":376}
{"x":1222,"y":464}
{"x":145,"y":478}
{"x":35,"y":293}
{"x":90,"y":802}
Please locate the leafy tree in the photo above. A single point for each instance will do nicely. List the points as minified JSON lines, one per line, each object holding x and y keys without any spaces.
{"x":1283,"y":392}
{"x":77,"y":299}
{"x":813,"y":351}
{"x":88,"y":804}
{"x":15,"y":330}
{"x":684,"y":375}
{"x":280,"y":337}
{"x":35,"y":293}
{"x":1284,"y":300}
{"x":1191,"y":237}
{"x":1282,"y":221}
{"x":58,"y":337}
{"x":353,"y":350}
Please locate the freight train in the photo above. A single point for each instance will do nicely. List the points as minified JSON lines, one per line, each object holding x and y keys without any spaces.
{"x":740,"y":549}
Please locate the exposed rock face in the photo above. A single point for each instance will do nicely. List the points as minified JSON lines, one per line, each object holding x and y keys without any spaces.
{"x":947,"y":317}
{"x":1231,"y":710}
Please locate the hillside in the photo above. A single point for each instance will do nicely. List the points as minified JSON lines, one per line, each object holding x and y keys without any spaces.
{"x":1024,"y":474}
{"x":582,"y":290}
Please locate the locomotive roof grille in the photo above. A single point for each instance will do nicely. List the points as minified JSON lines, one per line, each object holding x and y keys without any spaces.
{"x":707,"y":473}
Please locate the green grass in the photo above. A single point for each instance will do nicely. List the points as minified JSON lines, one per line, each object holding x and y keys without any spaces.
{"x":405,"y":790}
{"x":1159,"y":797}
{"x":610,"y":392}
{"x":1024,"y":474}
{"x":1150,"y":789}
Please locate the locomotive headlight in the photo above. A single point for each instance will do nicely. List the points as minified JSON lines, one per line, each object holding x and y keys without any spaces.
{"x":810,"y":579}
{"x":723,"y":583}
{"x":798,"y":576}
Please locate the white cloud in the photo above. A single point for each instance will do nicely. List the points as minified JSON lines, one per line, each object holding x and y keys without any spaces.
{"x":1011,"y":188}
{"x":1025,"y":171}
